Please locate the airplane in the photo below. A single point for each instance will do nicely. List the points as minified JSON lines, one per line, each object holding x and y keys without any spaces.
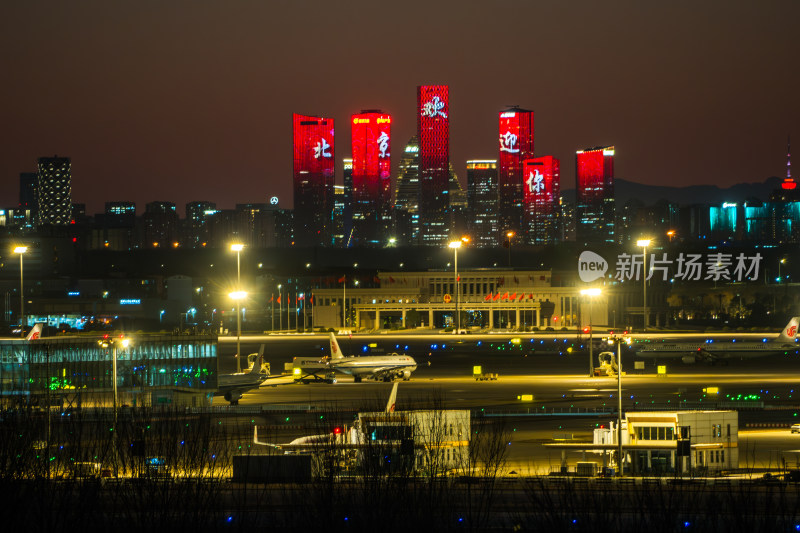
{"x":233,"y":386}
{"x":712,"y":352}
{"x":385,"y":367}
{"x":35,"y":332}
{"x":316,"y":369}
{"x":347,"y":438}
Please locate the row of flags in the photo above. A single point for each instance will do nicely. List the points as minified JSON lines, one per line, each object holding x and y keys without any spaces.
{"x":508,"y":297}
{"x":287,"y":299}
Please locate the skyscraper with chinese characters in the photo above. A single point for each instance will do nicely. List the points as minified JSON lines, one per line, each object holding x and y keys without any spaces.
{"x":54,"y":186}
{"x":541,"y":196}
{"x":516,"y":145}
{"x":433,"y":130}
{"x":482,"y":212}
{"x":594,"y":195}
{"x":313,"y":165}
{"x":371,"y":200}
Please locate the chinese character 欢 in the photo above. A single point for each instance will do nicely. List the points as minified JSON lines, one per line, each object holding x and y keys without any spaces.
{"x":433,"y":108}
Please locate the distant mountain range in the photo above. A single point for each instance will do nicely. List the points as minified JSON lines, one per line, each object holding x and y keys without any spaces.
{"x":695,"y":194}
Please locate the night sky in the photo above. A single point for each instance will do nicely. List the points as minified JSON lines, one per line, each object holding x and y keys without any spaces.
{"x":192,"y":100}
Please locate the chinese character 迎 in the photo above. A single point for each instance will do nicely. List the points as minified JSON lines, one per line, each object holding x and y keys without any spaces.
{"x":507,"y":142}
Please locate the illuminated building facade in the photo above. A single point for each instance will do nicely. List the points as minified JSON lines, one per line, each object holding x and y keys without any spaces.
{"x":482,"y":212}
{"x":199,"y":218}
{"x":541,"y":196}
{"x":515,"y":146}
{"x":371,"y":200}
{"x":594,"y":190}
{"x":433,"y":129}
{"x":343,"y":207}
{"x":54,"y":186}
{"x":160,"y":221}
{"x":313,"y":165}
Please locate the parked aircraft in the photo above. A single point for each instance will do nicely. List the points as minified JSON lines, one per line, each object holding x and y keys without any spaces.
{"x":233,"y":386}
{"x":344,"y":437}
{"x":386,"y":367}
{"x":712,"y":352}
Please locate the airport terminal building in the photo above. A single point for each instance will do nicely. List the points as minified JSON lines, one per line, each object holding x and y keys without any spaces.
{"x":484,"y":298}
{"x":79,"y":370}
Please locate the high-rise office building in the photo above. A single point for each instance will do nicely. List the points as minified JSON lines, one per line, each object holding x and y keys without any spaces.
{"x":343,"y":207}
{"x":433,"y":130}
{"x":541,"y":195}
{"x":406,"y":203}
{"x":594,"y":195}
{"x":160,"y":221}
{"x":313,"y":165}
{"x":199,"y":218}
{"x":482,"y":210}
{"x":54,"y":186}
{"x":516,"y":145}
{"x":371,"y":145}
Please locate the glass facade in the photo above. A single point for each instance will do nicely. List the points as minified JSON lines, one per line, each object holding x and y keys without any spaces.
{"x":371,"y":174}
{"x":542,"y":189}
{"x":313,"y":165}
{"x":80,"y":365}
{"x":516,"y":145}
{"x":54,"y":186}
{"x":594,"y":206}
{"x":433,"y":129}
{"x":482,"y":202}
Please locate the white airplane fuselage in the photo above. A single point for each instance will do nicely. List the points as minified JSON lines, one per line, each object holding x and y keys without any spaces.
{"x":368,"y":365}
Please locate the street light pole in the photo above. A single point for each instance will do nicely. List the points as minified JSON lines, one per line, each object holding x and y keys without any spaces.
{"x":644,"y":243}
{"x":238,"y":249}
{"x":619,"y":339}
{"x":509,"y":235}
{"x":238,"y":296}
{"x":280,"y":308}
{"x":21,"y":251}
{"x":455,"y":245}
{"x":591,"y":293}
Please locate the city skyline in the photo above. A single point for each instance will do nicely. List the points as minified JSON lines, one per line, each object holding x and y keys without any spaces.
{"x":149,"y":113}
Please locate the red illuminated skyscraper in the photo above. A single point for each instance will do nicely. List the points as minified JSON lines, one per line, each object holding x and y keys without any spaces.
{"x":594,"y":200}
{"x":313,"y":180}
{"x":433,"y":129}
{"x":516,"y":145}
{"x":371,"y":142}
{"x":541,"y":192}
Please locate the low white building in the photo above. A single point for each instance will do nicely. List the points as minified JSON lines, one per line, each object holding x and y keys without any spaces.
{"x":666,"y":441}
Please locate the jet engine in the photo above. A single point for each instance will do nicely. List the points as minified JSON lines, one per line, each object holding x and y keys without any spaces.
{"x":406,"y":375}
{"x":233,"y":397}
{"x":689,"y":359}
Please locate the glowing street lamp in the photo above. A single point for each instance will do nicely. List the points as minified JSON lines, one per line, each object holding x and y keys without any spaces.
{"x":455,"y":245}
{"x":238,"y":247}
{"x":509,"y":236}
{"x":21,"y":251}
{"x":238,"y":296}
{"x":644,"y":243}
{"x":114,"y":344}
{"x":590,"y":294}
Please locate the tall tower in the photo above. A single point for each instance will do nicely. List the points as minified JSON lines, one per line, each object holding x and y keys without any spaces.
{"x":433,"y":130}
{"x":594,"y":190}
{"x":313,"y":165}
{"x":54,"y":185}
{"x":542,"y":190}
{"x":516,"y":145}
{"x":482,"y":215}
{"x":372,"y":164}
{"x":406,"y":196}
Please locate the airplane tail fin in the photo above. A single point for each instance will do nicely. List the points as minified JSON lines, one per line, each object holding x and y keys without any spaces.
{"x":392,"y":399}
{"x":336,"y":352}
{"x":261,"y":442}
{"x":259,"y":361}
{"x":789,"y":332}
{"x":35,"y":333}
